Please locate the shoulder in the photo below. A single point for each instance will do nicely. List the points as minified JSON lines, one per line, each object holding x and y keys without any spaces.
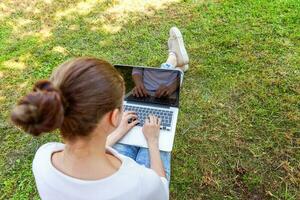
{"x":49,"y":148}
{"x":43,"y":154}
{"x":156,"y":186}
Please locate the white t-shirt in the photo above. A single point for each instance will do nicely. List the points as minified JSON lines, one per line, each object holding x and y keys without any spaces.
{"x":132,"y":181}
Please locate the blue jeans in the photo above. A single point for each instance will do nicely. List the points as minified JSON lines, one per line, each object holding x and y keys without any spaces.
{"x":167,"y":66}
{"x":142,"y":157}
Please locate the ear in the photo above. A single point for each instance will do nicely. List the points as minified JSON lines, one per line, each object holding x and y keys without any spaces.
{"x":115,"y":117}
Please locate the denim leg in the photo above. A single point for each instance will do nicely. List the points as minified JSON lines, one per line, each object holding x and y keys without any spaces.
{"x":143,"y":158}
{"x":127,"y":150}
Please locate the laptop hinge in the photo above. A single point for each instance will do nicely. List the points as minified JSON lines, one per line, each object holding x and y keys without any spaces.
{"x":148,"y":104}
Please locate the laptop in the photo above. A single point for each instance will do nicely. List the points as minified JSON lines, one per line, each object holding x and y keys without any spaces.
{"x":165,"y":107}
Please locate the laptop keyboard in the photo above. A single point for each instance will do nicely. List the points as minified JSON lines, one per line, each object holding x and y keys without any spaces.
{"x":143,"y":113}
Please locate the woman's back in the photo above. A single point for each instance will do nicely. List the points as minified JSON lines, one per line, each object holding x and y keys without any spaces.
{"x":131,"y":181}
{"x":84,"y":100}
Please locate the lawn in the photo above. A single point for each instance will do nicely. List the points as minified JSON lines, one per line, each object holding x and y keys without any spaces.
{"x":238,"y":133}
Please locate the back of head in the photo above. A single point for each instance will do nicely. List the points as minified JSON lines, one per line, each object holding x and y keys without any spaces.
{"x":74,"y":100}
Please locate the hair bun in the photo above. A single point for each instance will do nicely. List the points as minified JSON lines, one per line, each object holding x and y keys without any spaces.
{"x":41,"y":110}
{"x":44,"y":85}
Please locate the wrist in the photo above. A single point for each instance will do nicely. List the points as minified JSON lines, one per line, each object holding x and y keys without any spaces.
{"x":152,"y":143}
{"x":119,"y":133}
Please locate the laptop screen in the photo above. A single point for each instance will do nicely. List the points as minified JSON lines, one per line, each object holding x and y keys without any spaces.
{"x":151,"y":85}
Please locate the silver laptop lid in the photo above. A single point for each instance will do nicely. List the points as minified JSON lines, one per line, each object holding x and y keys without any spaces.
{"x":162,"y":86}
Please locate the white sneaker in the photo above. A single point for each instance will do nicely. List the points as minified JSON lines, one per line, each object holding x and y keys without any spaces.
{"x":176,"y":45}
{"x":184,"y":68}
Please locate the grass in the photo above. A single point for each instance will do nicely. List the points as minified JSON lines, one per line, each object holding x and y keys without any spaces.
{"x":238,"y":134}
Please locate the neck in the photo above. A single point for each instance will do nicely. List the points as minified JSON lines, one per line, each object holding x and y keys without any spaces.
{"x":86,"y":158}
{"x":87,"y":148}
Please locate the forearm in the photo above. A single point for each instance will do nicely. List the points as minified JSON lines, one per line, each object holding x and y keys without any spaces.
{"x":113,"y":138}
{"x":174,"y":85}
{"x":155,"y":160}
{"x":137,"y":79}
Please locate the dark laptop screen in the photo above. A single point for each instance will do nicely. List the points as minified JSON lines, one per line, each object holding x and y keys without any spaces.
{"x":151,"y":85}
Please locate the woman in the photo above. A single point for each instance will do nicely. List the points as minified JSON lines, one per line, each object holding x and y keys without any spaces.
{"x":83,"y":99}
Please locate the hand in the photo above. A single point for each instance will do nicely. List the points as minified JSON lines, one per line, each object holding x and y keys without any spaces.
{"x":151,"y":128}
{"x":139,"y":90}
{"x":123,"y":128}
{"x":163,"y":91}
{"x":128,"y":121}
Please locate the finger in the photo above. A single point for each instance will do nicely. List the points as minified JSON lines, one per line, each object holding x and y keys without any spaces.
{"x":131,"y":116}
{"x":159,"y":94}
{"x":157,"y":120}
{"x":134,"y":123}
{"x":152,"y":119}
{"x":167,"y":93}
{"x":140,"y":92}
{"x":164,"y":93}
{"x":136,"y":92}
{"x":144,"y":91}
{"x":129,"y":112}
{"x":158,"y":91}
{"x":147,"y":120}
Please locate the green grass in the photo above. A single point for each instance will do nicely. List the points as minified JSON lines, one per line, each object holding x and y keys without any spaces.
{"x":238,"y":133}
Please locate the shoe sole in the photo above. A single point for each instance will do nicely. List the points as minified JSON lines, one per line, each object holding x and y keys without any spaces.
{"x":185,"y":57}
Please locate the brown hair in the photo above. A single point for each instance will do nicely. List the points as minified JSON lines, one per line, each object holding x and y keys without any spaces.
{"x":75,"y":99}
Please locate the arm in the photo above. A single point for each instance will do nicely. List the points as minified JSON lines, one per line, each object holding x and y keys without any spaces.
{"x":166,"y":90}
{"x":114,"y":137}
{"x":156,"y":163}
{"x":123,"y":128}
{"x":139,"y":90}
{"x":137,"y":78}
{"x":174,"y":85}
{"x":151,"y":130}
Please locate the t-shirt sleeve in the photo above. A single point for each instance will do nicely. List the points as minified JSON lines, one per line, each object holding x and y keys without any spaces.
{"x":153,"y":186}
{"x":137,"y":71}
{"x":43,"y":155}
